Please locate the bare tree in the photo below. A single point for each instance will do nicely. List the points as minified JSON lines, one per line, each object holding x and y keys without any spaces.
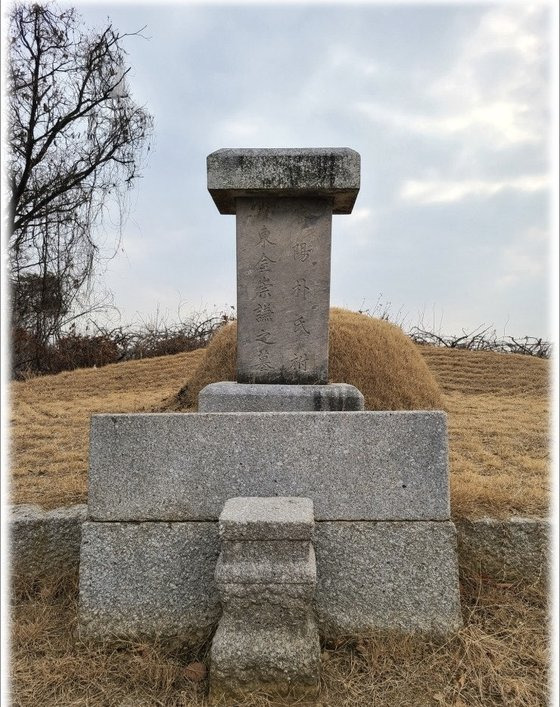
{"x":76,"y":140}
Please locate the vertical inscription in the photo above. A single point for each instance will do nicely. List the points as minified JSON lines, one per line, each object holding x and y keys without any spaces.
{"x":283,"y":282}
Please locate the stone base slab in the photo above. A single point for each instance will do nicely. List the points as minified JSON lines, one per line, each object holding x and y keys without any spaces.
{"x":148,"y":579}
{"x":179,"y":467}
{"x":387,"y":576}
{"x":44,"y":542}
{"x":280,"y":660}
{"x":524,"y":556}
{"x":506,"y":549}
{"x":246,"y":397}
{"x":141,"y":579}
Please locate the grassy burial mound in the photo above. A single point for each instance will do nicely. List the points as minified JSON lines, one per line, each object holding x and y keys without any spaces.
{"x":497,"y":405}
{"x":372,"y":354}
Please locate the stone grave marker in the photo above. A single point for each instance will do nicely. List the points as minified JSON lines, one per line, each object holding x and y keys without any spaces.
{"x":283,"y":200}
{"x":375,"y":483}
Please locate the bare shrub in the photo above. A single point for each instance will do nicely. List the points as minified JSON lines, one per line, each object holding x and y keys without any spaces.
{"x":486,"y":339}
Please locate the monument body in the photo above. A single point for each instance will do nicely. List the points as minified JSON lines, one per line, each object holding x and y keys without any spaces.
{"x":281,"y":506}
{"x":283,"y":201}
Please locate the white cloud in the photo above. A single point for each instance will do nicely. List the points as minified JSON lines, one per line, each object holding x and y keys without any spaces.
{"x":240,"y":128}
{"x":359,"y":215}
{"x":525,"y":259}
{"x":494,"y":92}
{"x":444,"y":191}
{"x":492,"y":85}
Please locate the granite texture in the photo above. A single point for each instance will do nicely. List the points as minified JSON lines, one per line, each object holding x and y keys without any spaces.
{"x":330,"y":173}
{"x":262,"y":605}
{"x":280,"y":518}
{"x":148,"y":579}
{"x":267,"y":636}
{"x":142,"y":579}
{"x":271,"y":563}
{"x":278,"y":661}
{"x":511,"y":549}
{"x":178,"y":467}
{"x":44,"y":542}
{"x":283,"y":290}
{"x":227,"y":396}
{"x":386,"y":576}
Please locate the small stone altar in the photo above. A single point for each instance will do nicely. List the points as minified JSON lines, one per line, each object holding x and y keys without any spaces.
{"x":163,"y":551}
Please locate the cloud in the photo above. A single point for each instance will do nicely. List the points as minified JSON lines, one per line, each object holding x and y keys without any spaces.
{"x":494,"y":92}
{"x":494,"y":80}
{"x":525,"y":259}
{"x":438,"y":192}
{"x":359,"y":215}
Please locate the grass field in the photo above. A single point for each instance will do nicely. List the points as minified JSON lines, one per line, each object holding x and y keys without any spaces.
{"x":497,"y":404}
{"x":498,"y":409}
{"x":500,"y":657}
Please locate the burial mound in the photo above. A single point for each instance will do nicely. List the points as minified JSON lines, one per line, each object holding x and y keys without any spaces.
{"x":371,"y":354}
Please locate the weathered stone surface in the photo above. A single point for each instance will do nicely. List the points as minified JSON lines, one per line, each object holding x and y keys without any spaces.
{"x":331,"y":173}
{"x":275,"y":563}
{"x":386,"y":576}
{"x":266,"y":604}
{"x":256,"y":518}
{"x":277,"y":661}
{"x":158,"y":578}
{"x":227,"y":396}
{"x":44,"y":542}
{"x":283,"y":290}
{"x":364,"y":466}
{"x":148,"y":579}
{"x":510,"y":549}
{"x":525,"y":555}
{"x":267,"y":635}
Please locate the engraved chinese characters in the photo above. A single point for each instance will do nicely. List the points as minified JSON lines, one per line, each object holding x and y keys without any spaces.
{"x":283,"y":199}
{"x":283,"y":279}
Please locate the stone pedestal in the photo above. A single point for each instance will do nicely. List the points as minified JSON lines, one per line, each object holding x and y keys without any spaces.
{"x":267,"y":638}
{"x":385,"y":547}
{"x":238,"y":397}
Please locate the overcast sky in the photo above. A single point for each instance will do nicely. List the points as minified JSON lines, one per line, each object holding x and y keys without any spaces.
{"x":448,"y":105}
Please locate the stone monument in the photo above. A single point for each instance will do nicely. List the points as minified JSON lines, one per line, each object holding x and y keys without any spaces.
{"x":201,"y":515}
{"x":283,"y":201}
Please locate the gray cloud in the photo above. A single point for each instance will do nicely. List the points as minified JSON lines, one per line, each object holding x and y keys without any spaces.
{"x":448,"y":106}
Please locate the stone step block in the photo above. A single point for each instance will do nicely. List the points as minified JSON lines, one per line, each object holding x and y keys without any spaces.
{"x":262,"y":552}
{"x":178,"y":467}
{"x":267,"y":604}
{"x":227,"y":396}
{"x":257,"y":518}
{"x":277,"y":660}
{"x":274,"y":569}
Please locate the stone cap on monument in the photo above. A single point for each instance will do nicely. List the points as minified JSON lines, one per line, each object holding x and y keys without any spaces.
{"x":330,"y":173}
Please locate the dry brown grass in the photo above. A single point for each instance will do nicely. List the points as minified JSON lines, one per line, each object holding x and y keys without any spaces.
{"x":497,"y":404}
{"x":499,"y":436}
{"x":371,"y":354}
{"x":50,"y":418}
{"x":500,"y":657}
